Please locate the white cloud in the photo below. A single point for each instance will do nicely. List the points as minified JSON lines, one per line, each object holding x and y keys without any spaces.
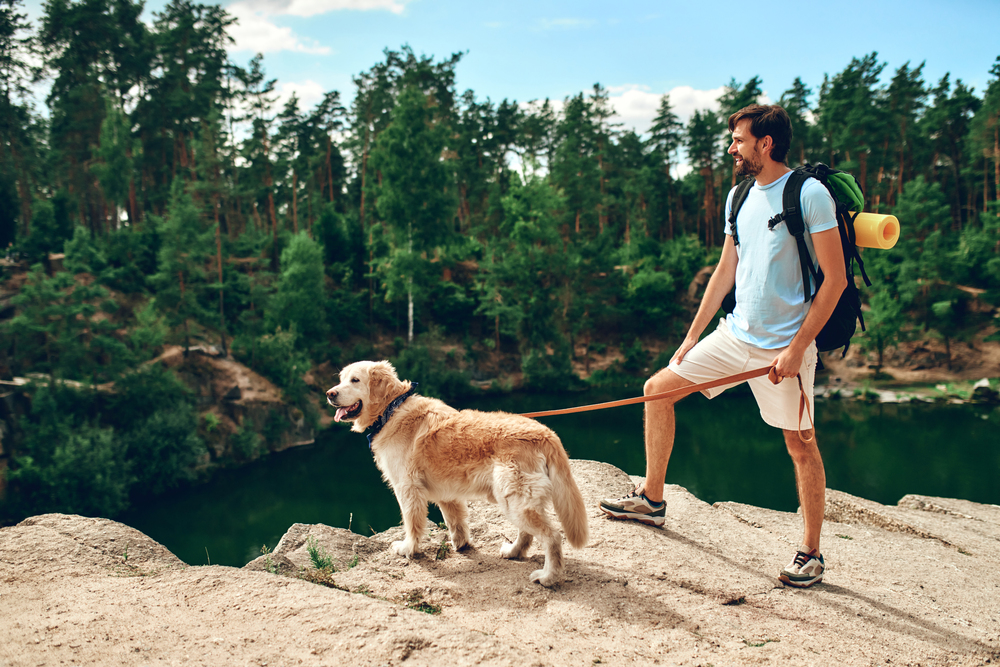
{"x":255,"y":31}
{"x":314,"y":7}
{"x":309,"y":93}
{"x":636,"y":106}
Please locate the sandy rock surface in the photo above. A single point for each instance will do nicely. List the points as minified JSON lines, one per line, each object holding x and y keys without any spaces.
{"x":912,"y":584}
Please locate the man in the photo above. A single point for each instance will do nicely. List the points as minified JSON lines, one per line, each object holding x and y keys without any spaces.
{"x":772,"y":324}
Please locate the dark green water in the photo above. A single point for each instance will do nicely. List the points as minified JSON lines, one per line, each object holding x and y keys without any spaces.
{"x":723,"y":452}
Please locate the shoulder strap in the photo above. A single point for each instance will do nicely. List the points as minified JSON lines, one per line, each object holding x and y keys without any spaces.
{"x":740,"y":196}
{"x":791,"y":215}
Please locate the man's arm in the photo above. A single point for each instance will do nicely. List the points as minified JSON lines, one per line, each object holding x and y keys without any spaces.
{"x":830,"y":255}
{"x":722,"y":280}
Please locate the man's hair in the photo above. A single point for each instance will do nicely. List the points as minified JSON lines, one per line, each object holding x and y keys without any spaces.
{"x":767,"y":120}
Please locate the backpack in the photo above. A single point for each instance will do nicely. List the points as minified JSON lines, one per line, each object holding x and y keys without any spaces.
{"x":847,"y":197}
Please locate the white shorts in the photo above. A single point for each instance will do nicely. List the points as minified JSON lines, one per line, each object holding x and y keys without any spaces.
{"x":720,"y":354}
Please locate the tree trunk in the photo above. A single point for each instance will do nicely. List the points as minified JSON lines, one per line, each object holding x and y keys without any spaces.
{"x":996,"y":162}
{"x":295,"y":202}
{"x":709,"y":203}
{"x":329,"y":168}
{"x":269,"y":183}
{"x":23,"y":190}
{"x":187,"y":331}
{"x":601,"y":216}
{"x":218,"y":259}
{"x":863,"y":169}
{"x":409,"y":297}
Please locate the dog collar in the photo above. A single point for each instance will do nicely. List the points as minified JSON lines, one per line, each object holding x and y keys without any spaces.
{"x":384,"y":417}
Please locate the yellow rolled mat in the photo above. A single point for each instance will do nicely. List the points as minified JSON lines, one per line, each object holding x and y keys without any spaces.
{"x":874,"y":230}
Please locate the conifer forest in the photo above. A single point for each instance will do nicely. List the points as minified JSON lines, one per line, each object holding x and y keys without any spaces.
{"x":163,"y":197}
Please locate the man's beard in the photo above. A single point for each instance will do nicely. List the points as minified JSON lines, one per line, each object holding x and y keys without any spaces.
{"x":751,"y":165}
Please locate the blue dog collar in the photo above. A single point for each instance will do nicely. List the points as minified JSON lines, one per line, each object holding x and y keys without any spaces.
{"x":384,"y":417}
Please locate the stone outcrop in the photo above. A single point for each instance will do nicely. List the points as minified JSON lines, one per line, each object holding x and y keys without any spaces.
{"x":907,"y":584}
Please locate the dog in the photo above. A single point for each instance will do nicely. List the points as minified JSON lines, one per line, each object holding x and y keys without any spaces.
{"x":428,"y":451}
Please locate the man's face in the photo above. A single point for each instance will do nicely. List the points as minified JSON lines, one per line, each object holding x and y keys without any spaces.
{"x":746,"y":150}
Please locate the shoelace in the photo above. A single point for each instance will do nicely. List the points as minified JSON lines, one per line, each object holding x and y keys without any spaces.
{"x":635,"y":494}
{"x":801,"y":558}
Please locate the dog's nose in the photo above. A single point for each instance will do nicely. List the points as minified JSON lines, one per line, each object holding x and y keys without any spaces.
{"x":332,"y":393}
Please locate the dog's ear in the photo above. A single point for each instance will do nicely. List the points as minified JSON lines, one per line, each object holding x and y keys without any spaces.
{"x":383,"y":386}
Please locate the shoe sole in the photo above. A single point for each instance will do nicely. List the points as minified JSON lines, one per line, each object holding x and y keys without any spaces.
{"x":629,"y":516}
{"x":801,"y":583}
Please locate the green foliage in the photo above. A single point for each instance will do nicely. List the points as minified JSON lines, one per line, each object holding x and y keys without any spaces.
{"x":277,"y":357}
{"x":181,"y":279}
{"x":548,"y":372}
{"x":61,"y":328}
{"x":66,"y":462}
{"x":300,"y":289}
{"x":247,"y":443}
{"x":148,"y":335}
{"x":165,"y":447}
{"x":153,"y":414}
{"x":49,"y":231}
{"x":437,"y":373}
{"x":636,"y":359}
{"x":318,"y":556}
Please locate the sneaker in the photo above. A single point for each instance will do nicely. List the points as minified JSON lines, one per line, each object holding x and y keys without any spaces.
{"x":805,"y":569}
{"x":636,"y":506}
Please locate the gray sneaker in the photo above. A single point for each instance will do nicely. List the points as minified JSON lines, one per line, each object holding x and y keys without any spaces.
{"x":635,"y":506}
{"x":805,"y":569}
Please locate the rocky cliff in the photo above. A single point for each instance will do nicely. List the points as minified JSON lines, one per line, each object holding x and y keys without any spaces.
{"x":911,"y":584}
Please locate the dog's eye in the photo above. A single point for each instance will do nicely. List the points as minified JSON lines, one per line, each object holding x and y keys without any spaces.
{"x":355,"y":380}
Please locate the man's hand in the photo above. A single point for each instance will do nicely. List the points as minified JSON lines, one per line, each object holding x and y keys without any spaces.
{"x":686,"y":345}
{"x":786,"y":364}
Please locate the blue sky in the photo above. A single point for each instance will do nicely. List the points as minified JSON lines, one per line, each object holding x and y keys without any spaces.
{"x":639,"y":50}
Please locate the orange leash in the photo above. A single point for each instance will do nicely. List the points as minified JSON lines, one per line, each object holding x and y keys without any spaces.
{"x":690,"y":389}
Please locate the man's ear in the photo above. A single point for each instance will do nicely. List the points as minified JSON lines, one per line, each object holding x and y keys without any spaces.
{"x":767,"y":145}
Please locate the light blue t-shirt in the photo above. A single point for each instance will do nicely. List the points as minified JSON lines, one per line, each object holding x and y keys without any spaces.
{"x":770,"y":298}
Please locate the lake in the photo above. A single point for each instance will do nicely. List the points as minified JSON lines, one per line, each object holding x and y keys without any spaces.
{"x":723,"y":451}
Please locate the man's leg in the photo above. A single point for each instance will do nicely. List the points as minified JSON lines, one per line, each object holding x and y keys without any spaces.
{"x":810,"y":479}
{"x":645,"y":504}
{"x":659,"y":427}
{"x":715,"y":356}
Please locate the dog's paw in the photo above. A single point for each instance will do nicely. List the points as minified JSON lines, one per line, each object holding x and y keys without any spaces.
{"x":544,"y":578}
{"x":403,"y":548}
{"x":459,"y":544}
{"x":508,"y":551}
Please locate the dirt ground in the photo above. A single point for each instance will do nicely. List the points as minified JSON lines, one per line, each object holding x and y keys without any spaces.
{"x":912,"y":584}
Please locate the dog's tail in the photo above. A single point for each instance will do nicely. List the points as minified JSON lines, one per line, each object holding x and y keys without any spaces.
{"x":566,"y":497}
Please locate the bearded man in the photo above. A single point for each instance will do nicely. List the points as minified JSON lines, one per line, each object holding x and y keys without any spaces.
{"x":772,"y":324}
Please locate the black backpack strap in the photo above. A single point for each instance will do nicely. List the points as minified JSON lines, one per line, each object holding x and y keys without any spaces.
{"x":791,"y":215}
{"x":740,"y":196}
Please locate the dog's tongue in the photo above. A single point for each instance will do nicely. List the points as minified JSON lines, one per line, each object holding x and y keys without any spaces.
{"x":340,"y":414}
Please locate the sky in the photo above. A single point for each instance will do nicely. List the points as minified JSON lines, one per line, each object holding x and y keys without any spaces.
{"x":639,"y":50}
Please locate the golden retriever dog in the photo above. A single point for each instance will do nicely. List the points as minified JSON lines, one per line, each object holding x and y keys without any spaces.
{"x":429,"y":451}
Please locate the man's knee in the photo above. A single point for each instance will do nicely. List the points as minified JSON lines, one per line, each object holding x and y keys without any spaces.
{"x":665,"y":380}
{"x":801,"y":444}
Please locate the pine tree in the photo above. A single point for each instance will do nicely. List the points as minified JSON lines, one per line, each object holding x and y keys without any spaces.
{"x":181,"y":279}
{"x":666,"y":137}
{"x":795,"y":101}
{"x":413,"y":198}
{"x":703,"y":137}
{"x":985,"y":135}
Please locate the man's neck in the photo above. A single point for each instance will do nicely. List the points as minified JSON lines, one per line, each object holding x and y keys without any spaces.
{"x":771,"y":172}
